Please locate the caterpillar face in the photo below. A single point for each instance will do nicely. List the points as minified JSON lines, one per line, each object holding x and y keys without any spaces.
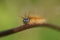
{"x":26,"y":20}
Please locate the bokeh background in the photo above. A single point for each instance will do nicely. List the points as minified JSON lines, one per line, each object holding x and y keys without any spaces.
{"x":11,"y":12}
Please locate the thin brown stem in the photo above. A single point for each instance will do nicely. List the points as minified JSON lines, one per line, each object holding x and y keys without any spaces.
{"x":24,"y":27}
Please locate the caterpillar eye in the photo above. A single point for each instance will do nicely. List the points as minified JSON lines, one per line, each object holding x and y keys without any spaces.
{"x":26,"y":20}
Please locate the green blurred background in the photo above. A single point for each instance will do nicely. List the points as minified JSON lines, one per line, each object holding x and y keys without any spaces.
{"x":12,"y":10}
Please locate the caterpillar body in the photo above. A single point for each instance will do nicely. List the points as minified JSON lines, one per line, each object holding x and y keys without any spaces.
{"x":33,"y":20}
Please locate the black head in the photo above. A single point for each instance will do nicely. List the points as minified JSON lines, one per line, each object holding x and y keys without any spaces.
{"x":26,"y":20}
